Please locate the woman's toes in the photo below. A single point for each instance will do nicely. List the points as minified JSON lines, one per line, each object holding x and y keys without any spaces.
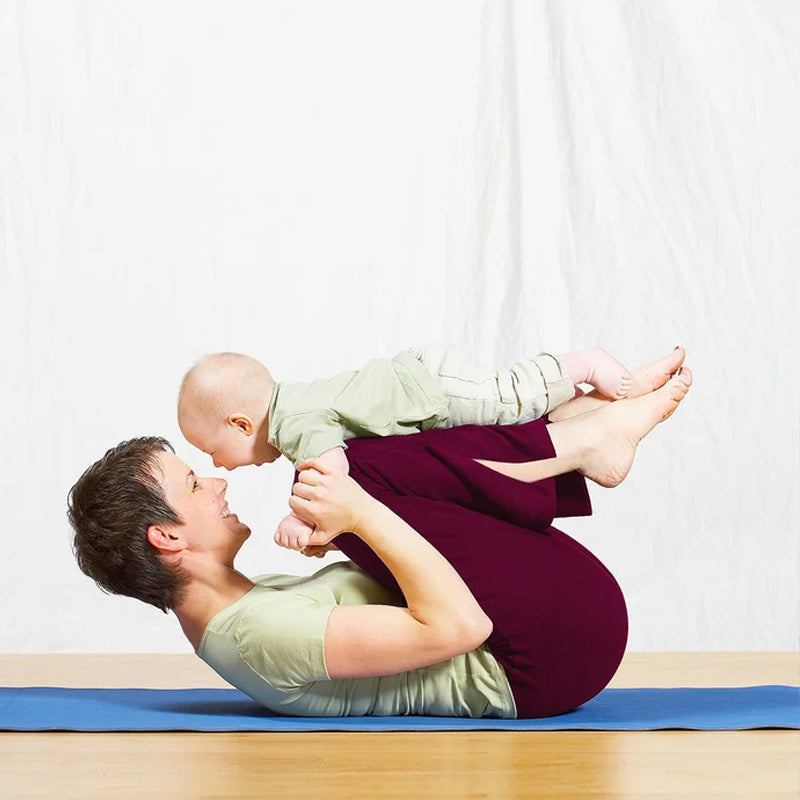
{"x":651,"y":376}
{"x":678,"y":386}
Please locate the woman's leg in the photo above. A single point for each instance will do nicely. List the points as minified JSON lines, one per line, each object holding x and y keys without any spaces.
{"x":440,"y":465}
{"x":560,"y":622}
{"x":601,"y":444}
{"x":471,"y":465}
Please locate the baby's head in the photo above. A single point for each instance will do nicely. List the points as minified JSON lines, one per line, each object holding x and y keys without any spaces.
{"x":222,"y":409}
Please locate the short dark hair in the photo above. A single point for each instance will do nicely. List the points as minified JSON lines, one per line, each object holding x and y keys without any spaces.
{"x":110,"y":509}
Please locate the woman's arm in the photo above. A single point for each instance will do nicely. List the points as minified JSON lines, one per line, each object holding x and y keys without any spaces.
{"x":442,"y":619}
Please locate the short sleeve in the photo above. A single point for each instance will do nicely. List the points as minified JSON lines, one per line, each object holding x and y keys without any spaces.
{"x":283,"y":640}
{"x":308,"y":435}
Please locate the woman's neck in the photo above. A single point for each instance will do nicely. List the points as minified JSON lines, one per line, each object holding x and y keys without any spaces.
{"x":207,"y":595}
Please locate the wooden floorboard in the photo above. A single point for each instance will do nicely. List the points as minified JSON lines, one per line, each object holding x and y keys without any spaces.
{"x":559,"y":764}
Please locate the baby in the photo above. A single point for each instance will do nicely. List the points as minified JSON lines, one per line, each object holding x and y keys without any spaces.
{"x":230,"y":407}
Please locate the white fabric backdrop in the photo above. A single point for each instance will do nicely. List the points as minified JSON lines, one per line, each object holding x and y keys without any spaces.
{"x":321,"y":183}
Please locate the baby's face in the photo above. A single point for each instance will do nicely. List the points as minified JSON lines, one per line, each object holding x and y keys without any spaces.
{"x":228,"y":447}
{"x":228,"y":444}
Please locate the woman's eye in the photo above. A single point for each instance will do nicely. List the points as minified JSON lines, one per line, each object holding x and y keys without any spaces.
{"x":196,"y":486}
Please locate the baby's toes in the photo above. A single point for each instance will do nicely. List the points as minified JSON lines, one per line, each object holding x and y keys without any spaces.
{"x":299,"y":541}
{"x":625,"y":386}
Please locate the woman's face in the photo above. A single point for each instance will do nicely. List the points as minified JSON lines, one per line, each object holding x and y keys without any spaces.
{"x":209,"y":526}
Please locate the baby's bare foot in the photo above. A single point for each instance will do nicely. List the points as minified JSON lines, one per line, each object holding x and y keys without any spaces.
{"x":599,"y":369}
{"x":293,"y":533}
{"x":644,"y":379}
{"x":619,"y":427}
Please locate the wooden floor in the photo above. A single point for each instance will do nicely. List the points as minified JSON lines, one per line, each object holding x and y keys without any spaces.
{"x":757,"y":765}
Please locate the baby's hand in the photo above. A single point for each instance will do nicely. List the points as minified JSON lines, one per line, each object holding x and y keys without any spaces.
{"x":293,"y":533}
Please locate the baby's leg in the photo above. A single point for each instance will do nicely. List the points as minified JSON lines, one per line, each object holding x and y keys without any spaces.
{"x":479,"y":395}
{"x":599,"y":369}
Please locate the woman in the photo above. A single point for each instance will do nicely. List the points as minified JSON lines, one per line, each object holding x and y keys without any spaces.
{"x":500,"y":614}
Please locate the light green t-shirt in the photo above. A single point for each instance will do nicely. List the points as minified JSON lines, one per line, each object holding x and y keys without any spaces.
{"x":270,"y":645}
{"x":383,"y":398}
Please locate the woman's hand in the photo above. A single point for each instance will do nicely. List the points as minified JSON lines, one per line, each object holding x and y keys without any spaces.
{"x":330,"y":499}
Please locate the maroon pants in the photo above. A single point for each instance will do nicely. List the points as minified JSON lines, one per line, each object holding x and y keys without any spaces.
{"x":560,"y":622}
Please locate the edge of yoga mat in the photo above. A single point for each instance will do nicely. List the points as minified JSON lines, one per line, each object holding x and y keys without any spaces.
{"x":227,"y":710}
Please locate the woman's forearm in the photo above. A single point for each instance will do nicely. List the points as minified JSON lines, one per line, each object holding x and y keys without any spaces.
{"x":447,"y":619}
{"x":435,"y":593}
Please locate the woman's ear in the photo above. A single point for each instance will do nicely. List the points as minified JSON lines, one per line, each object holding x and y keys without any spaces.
{"x":162,"y":538}
{"x":242,"y":423}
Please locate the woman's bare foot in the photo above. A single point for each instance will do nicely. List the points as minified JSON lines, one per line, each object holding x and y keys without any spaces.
{"x":644,"y":380}
{"x":599,"y":369}
{"x":609,"y":436}
{"x":601,"y":444}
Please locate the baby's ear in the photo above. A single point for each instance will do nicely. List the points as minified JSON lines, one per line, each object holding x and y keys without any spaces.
{"x":242,"y":423}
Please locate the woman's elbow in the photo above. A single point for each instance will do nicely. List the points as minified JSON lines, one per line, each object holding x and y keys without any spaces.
{"x":474,"y":631}
{"x":484,"y":629}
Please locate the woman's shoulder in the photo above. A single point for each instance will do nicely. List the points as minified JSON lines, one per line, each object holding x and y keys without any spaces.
{"x":336,"y":571}
{"x":285,"y":610}
{"x":283,"y":605}
{"x":342,"y":582}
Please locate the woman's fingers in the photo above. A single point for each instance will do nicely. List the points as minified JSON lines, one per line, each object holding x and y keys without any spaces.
{"x":320,"y":538}
{"x":305,"y":491}
{"x":305,"y":509}
{"x":309,"y":475}
{"x":330,"y":498}
{"x":316,"y":464}
{"x":299,"y":505}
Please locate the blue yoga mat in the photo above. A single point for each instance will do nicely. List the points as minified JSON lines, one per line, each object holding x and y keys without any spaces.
{"x":48,"y":709}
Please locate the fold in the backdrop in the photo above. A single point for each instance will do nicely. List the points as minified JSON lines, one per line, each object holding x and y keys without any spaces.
{"x":51,"y":708}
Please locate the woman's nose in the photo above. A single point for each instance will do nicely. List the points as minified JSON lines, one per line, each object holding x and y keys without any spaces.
{"x":222,"y":484}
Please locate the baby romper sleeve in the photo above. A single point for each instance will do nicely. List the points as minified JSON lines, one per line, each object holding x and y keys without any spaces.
{"x":307,"y":435}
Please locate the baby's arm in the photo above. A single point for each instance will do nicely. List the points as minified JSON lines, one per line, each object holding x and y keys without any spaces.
{"x":293,"y":533}
{"x":336,"y":459}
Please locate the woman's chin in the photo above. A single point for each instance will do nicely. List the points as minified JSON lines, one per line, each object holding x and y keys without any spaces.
{"x":233,"y":522}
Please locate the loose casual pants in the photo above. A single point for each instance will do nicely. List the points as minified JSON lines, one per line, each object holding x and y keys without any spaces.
{"x":479,"y":395}
{"x":560,"y":621}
